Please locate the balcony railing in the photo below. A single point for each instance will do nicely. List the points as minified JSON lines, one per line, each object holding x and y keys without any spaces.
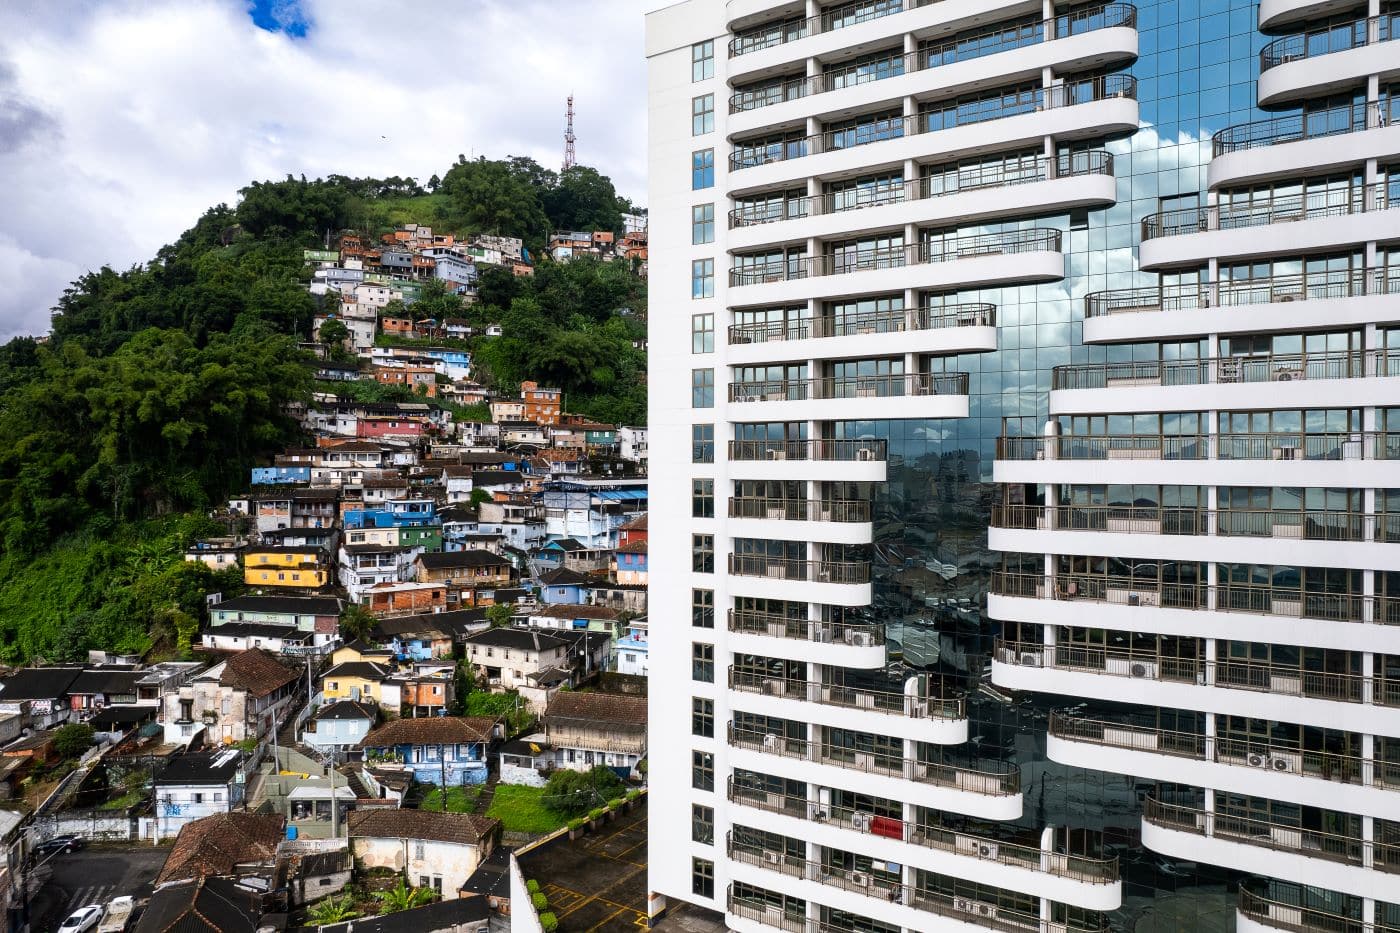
{"x":837,"y":451}
{"x":955,"y":114}
{"x":1229,"y":370}
{"x":1075,"y":867}
{"x":775,"y":625}
{"x":1288,"y":602}
{"x":1230,"y":750}
{"x":896,"y":386}
{"x":1277,"y":679}
{"x":810,"y":570}
{"x":1325,"y":41}
{"x":1278,"y":445}
{"x":1269,"y":834}
{"x":830,"y":19}
{"x":964,"y":48}
{"x":879,"y":322}
{"x":1281,"y":915}
{"x":1245,"y":292}
{"x":1303,"y":524}
{"x":957,"y":179}
{"x":864,"y":698}
{"x":1314,"y":124}
{"x":1265,"y":212}
{"x":1005,"y":781}
{"x":800,"y":510}
{"x":899,"y":257}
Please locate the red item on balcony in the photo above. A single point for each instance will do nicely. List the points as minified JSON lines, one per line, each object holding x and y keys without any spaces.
{"x":888,"y":827}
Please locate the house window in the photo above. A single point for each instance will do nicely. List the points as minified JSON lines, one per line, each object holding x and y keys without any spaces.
{"x":702,"y":169}
{"x":702,"y":388}
{"x":702,"y":770}
{"x":197,"y":798}
{"x":702,"y":824}
{"x":702,"y":61}
{"x":702,"y":278}
{"x":702,"y":115}
{"x":702,"y":224}
{"x":702,"y":717}
{"x":419,"y":851}
{"x":702,"y":662}
{"x":218,"y":797}
{"x":702,"y":608}
{"x":702,"y":333}
{"x":702,"y":498}
{"x":702,"y":553}
{"x":702,"y":443}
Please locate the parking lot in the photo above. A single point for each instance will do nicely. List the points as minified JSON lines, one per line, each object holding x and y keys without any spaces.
{"x":598,"y":883}
{"x":93,"y":876}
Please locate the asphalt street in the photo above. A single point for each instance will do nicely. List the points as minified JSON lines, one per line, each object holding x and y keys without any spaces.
{"x":93,"y":876}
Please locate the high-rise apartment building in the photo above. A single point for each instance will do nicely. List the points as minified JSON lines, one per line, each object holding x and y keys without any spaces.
{"x":1025,"y":464}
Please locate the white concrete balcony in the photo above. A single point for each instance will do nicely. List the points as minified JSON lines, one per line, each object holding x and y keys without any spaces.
{"x":857,"y":461}
{"x":1280,"y":303}
{"x":1348,"y":702}
{"x":1302,"y":144}
{"x":1280,"y":14}
{"x":785,"y":37}
{"x":1258,"y":914}
{"x":1327,"y":60}
{"x":1282,"y":537}
{"x":1084,"y":881}
{"x":1103,"y":36}
{"x":839,"y":521}
{"x":1303,"y":776}
{"x":1292,"y":853}
{"x":835,"y":643}
{"x":834,"y":582}
{"x":1357,"y":459}
{"x":1336,"y":621}
{"x":993,"y":795}
{"x":1104,"y":106}
{"x":916,"y":395}
{"x":938,"y":329}
{"x":958,"y":194}
{"x":937,"y":720}
{"x":1266,"y":382}
{"x":1018,"y":256}
{"x":1296,"y":224}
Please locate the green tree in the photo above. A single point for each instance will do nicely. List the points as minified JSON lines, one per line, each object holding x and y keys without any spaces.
{"x":498,"y":615}
{"x":357,"y":622}
{"x":71,"y":740}
{"x":485,"y":196}
{"x":584,"y":199}
{"x":334,"y":333}
{"x":403,"y":897}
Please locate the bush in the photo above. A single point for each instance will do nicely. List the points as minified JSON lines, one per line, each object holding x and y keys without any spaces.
{"x":616,"y":803}
{"x":532,"y":886}
{"x":633,"y":794}
{"x":576,"y":824}
{"x":597,"y":814}
{"x":549,"y":922}
{"x":539,"y":901}
{"x":72,"y":740}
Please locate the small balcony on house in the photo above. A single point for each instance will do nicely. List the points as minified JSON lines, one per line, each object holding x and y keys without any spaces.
{"x":908,"y":395}
{"x":1328,"y":59}
{"x":935,"y":329}
{"x":1311,"y":142}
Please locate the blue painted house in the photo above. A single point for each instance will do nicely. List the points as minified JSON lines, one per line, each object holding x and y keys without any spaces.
{"x":563,"y":588}
{"x":281,"y":475}
{"x":434,"y":748}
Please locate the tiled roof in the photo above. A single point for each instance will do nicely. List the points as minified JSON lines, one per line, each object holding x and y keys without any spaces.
{"x":526,"y":639}
{"x":637,"y":524}
{"x":298,"y":605}
{"x":215,"y":844}
{"x":576,"y":612}
{"x":255,"y":671}
{"x":563,"y":576}
{"x":451,"y":560}
{"x":432,"y":825}
{"x":618,"y":708}
{"x":216,"y":905}
{"x":431,"y":730}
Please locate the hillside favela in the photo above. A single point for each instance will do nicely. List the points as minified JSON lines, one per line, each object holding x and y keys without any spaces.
{"x":773,"y":466}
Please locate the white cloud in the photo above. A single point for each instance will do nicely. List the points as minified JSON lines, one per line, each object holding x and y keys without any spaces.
{"x":121,"y":122}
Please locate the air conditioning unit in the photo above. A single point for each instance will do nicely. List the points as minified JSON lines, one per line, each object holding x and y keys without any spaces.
{"x":1256,"y":760}
{"x":860,"y":879}
{"x":1289,"y":374}
{"x":777,"y":453}
{"x":772,"y":858}
{"x":775,"y":687}
{"x":1286,"y":762}
{"x":976,"y":908}
{"x":865,"y":453}
{"x":861,"y":821}
{"x":860,"y":639}
{"x":987,"y":850}
{"x":1145,"y":670}
{"x":1029,"y":658}
{"x":770,"y":742}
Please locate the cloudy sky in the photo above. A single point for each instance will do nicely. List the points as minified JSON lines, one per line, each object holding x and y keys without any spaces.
{"x":122,"y":120}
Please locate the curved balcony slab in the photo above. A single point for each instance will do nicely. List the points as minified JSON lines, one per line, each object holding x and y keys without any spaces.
{"x":835,"y":653}
{"x":1243,"y":856}
{"x":881,"y":407}
{"x":1049,"y":196}
{"x":1358,"y":474}
{"x":1321,"y":393}
{"x":935,"y":730}
{"x":1299,"y":788}
{"x":815,"y":530}
{"x":1277,"y":239}
{"x":1304,"y":156}
{"x":1276,"y":14}
{"x":803,"y":591}
{"x":1228,"y":701}
{"x":1278,"y":316}
{"x":939,"y":341}
{"x":1326,"y":74}
{"x":822,"y":471}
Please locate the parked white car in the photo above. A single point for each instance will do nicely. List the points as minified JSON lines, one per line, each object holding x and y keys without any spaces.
{"x":82,"y":919}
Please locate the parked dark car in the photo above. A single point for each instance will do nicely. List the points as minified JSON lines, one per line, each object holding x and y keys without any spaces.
{"x":60,"y":844}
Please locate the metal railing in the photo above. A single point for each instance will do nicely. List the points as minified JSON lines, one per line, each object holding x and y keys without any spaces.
{"x":1290,"y":367}
{"x":830,"y":19}
{"x":800,"y":510}
{"x":1230,"y":673}
{"x":1288,"y":602}
{"x":1276,"y":445}
{"x":810,"y":570}
{"x":1228,"y":749}
{"x":839,"y":387}
{"x":867,"y":698}
{"x":1314,"y":124}
{"x":964,"y":48}
{"x":1281,"y":915}
{"x":1325,"y":41}
{"x":1303,"y":524}
{"x":1276,"y":289}
{"x":1076,"y":867}
{"x":956,"y":113}
{"x":776,"y":625}
{"x":976,"y":176}
{"x":876,"y":322}
{"x":1284,"y":837}
{"x":898,"y":257}
{"x":1343,"y":202}
{"x":871,"y":450}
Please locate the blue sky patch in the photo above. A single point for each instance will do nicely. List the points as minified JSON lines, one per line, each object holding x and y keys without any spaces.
{"x":284,"y":16}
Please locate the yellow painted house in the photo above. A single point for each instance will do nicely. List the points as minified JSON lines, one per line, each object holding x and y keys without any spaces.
{"x":353,"y":680}
{"x":297,"y":567}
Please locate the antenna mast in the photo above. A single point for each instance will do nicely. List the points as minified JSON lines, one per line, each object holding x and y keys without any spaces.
{"x":569,"y":137}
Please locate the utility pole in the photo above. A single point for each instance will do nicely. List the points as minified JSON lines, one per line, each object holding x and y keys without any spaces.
{"x":569,"y":137}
